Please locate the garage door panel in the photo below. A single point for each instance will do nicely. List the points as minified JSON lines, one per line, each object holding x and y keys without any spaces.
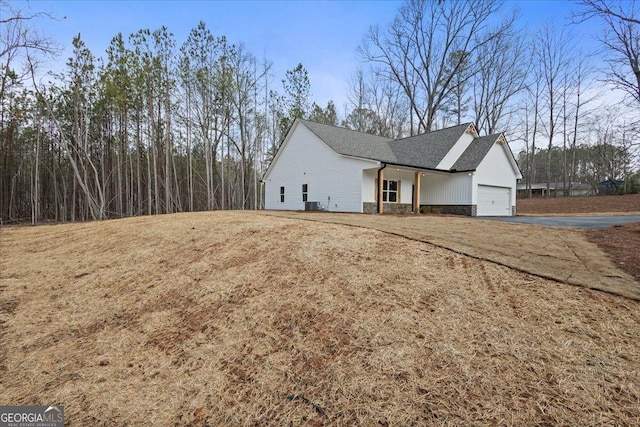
{"x":493,"y":201}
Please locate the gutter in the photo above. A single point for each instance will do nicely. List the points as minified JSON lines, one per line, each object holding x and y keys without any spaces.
{"x":413,"y":167}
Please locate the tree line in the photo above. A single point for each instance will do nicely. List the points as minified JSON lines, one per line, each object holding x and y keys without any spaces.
{"x":151,"y":128}
{"x":155,"y":126}
{"x":590,"y":165}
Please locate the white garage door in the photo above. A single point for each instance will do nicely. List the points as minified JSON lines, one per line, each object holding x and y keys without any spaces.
{"x":494,"y":201}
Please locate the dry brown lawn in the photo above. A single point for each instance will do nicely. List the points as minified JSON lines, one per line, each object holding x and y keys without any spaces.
{"x":622,"y":244}
{"x":561,"y":254}
{"x":628,"y":203}
{"x":247,"y":319}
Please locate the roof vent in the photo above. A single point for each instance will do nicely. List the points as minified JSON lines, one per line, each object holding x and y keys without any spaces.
{"x":472,"y":130}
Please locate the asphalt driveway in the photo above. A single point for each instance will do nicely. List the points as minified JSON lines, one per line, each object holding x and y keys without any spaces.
{"x":569,"y":221}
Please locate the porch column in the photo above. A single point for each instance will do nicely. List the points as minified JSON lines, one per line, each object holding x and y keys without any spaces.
{"x":380,"y":186}
{"x":416,"y":193}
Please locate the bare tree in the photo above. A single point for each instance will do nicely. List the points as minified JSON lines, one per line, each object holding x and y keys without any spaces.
{"x":607,"y":7}
{"x":552,"y":57}
{"x":621,"y":40}
{"x":21,"y":48}
{"x":503,"y":64}
{"x":376,"y":105}
{"x":18,"y":36}
{"x":578,"y":108}
{"x":417,"y":51}
{"x":205,"y":77}
{"x":535,"y":90}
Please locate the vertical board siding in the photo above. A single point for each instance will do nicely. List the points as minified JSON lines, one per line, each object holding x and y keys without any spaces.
{"x":451,"y":189}
{"x":333,"y":180}
{"x":370,"y":176}
{"x":496,"y":170}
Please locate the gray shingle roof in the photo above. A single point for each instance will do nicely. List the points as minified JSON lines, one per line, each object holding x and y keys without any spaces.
{"x":352,"y":143}
{"x":421,"y":151}
{"x":427,"y":150}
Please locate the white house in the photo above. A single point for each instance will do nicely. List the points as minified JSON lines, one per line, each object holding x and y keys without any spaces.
{"x":451,"y":170}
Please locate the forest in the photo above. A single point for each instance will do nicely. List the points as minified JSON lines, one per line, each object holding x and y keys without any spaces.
{"x":157,"y":125}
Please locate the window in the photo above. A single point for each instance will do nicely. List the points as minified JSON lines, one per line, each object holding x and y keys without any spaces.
{"x":304,"y":192}
{"x":281,"y":194}
{"x":390,"y":191}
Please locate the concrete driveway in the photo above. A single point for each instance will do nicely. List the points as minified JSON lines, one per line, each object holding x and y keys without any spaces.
{"x":569,"y":221}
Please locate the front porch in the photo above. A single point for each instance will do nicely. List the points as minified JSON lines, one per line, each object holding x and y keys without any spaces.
{"x":402,"y":190}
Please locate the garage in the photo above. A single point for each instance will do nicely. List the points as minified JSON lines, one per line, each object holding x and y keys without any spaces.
{"x":493,"y":201}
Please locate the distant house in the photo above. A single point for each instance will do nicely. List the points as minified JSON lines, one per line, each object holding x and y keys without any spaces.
{"x":539,"y":189}
{"x":451,"y":170}
{"x":610,"y":186}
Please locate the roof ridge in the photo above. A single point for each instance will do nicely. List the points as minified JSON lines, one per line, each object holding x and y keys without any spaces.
{"x":344,"y":129}
{"x":490,"y":135}
{"x":434,"y":131}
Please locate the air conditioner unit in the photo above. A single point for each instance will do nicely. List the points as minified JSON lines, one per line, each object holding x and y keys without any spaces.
{"x":311,"y":206}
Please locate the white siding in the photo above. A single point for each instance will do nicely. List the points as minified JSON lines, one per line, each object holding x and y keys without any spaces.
{"x":449,"y":189}
{"x":333,"y":180}
{"x":369,"y":177}
{"x":390,"y":173}
{"x":456,"y":151}
{"x":496,"y":170}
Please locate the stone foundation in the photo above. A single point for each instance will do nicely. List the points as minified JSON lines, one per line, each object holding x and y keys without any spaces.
{"x":467,"y":210}
{"x":392,"y":208}
{"x":401,"y":208}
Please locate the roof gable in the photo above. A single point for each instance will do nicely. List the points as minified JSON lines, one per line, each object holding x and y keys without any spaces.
{"x":478,"y":150}
{"x":278,"y":152}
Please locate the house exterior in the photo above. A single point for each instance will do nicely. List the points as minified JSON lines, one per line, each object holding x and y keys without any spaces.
{"x":539,"y":189}
{"x":451,"y":170}
{"x":610,"y":186}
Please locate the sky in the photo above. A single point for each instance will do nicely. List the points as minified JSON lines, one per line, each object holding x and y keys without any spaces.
{"x":322,"y":35}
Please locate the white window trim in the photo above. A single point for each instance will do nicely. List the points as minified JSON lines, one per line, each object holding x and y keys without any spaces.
{"x":386,"y":191}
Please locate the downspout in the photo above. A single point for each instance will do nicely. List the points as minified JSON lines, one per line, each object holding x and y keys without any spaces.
{"x":260,"y":203}
{"x":379,"y":206}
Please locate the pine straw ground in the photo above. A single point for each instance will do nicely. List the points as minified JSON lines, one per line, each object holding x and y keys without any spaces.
{"x":622,"y":245}
{"x":245,"y":319}
{"x":621,"y":242}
